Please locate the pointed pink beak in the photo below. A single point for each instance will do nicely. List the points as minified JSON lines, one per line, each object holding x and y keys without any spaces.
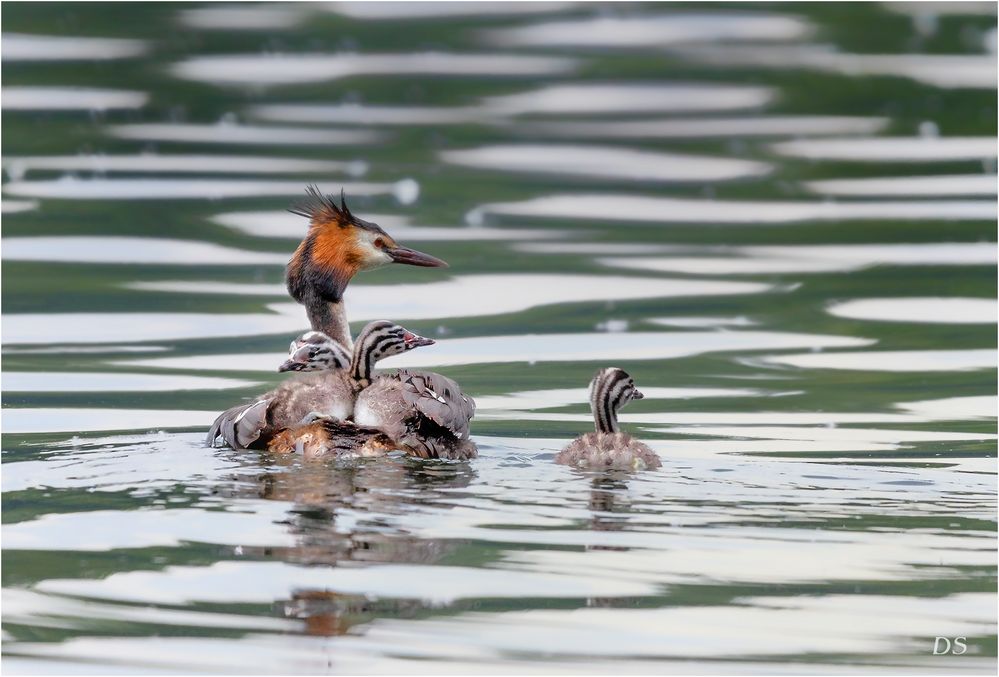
{"x":415,"y":340}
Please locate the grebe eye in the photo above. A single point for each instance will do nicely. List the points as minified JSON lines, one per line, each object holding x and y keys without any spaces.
{"x":379,"y":242}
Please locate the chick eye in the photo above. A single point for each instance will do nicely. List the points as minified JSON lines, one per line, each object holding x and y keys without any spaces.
{"x":379,"y":242}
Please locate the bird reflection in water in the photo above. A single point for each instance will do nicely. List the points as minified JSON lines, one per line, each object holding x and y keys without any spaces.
{"x":320,"y":491}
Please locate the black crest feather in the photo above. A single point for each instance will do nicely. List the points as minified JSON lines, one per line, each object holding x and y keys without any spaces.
{"x":320,"y":208}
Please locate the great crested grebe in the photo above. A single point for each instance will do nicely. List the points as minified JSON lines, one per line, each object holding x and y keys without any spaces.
{"x":330,"y":388}
{"x":422,"y":413}
{"x":608,"y":447}
{"x":338,"y":246}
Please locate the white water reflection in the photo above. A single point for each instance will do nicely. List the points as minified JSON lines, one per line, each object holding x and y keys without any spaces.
{"x":264,"y":582}
{"x":70,"y":98}
{"x":394,"y":11}
{"x":666,"y":128}
{"x":26,"y":607}
{"x":909,"y":186}
{"x":891,"y":149}
{"x":255,"y":16}
{"x":256,"y":70}
{"x":290,"y":226}
{"x":726,"y":265}
{"x":70,"y":419}
{"x":898,"y":360}
{"x":808,"y":259}
{"x":365,"y":302}
{"x":465,"y":293}
{"x":535,"y":348}
{"x":618,"y":207}
{"x":605,"y":162}
{"x":17,"y":206}
{"x":826,"y":434}
{"x":560,"y":397}
{"x":651,"y":31}
{"x":24,"y":47}
{"x":356,"y":114}
{"x":251,"y":523}
{"x":195,"y":164}
{"x":71,"y":188}
{"x":77,"y":382}
{"x":49,"y":328}
{"x":132,"y":251}
{"x":702,"y":321}
{"x":954,"y":408}
{"x":135,"y":464}
{"x":933,"y":310}
{"x":939,"y":70}
{"x":242,"y":134}
{"x":631,"y":98}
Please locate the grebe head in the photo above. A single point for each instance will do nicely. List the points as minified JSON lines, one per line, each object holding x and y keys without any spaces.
{"x":381,"y":339}
{"x":611,"y":389}
{"x":343,"y":244}
{"x":315,"y":351}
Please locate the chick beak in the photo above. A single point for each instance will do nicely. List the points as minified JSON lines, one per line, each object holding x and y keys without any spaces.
{"x":411,"y":257}
{"x":296,"y":361}
{"x":415,"y":340}
{"x":637,"y":394}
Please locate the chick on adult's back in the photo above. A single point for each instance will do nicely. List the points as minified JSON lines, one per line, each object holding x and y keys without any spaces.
{"x":608,"y":447}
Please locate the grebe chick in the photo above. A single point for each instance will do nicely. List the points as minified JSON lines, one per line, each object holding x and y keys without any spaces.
{"x":608,"y":447}
{"x":337,"y":246}
{"x":329,"y":388}
{"x":422,"y":413}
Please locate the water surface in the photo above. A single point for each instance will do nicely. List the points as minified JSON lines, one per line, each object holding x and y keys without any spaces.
{"x":780,"y":219}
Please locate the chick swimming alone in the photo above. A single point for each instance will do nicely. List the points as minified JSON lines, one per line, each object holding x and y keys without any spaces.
{"x":608,"y":447}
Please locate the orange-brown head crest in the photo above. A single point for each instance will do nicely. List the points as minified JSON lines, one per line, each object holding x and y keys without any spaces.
{"x":322,"y":210}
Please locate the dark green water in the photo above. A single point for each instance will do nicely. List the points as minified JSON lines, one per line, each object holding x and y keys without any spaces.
{"x":780,"y":219}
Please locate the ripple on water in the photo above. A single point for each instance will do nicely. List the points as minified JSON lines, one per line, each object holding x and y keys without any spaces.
{"x":185,"y":189}
{"x":356,"y":114}
{"x":17,"y":206}
{"x":891,"y":149}
{"x":23,"y":420}
{"x":896,"y":254}
{"x":249,"y":17}
{"x":954,"y":408}
{"x":465,"y":293}
{"x":630,"y":98}
{"x":195,"y":164}
{"x":560,"y":397}
{"x":74,"y":382}
{"x":532,"y":348}
{"x":396,"y":11}
{"x":666,"y":128}
{"x":938,"y":70}
{"x":25,"y":47}
{"x":70,"y":98}
{"x":367,"y":302}
{"x":264,"y":582}
{"x":605,"y":162}
{"x":288,"y":69}
{"x":899,"y":186}
{"x":934,"y":310}
{"x":259,"y":135}
{"x":651,"y":31}
{"x":617,"y":207}
{"x":897,"y":360}
{"x":132,"y":251}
